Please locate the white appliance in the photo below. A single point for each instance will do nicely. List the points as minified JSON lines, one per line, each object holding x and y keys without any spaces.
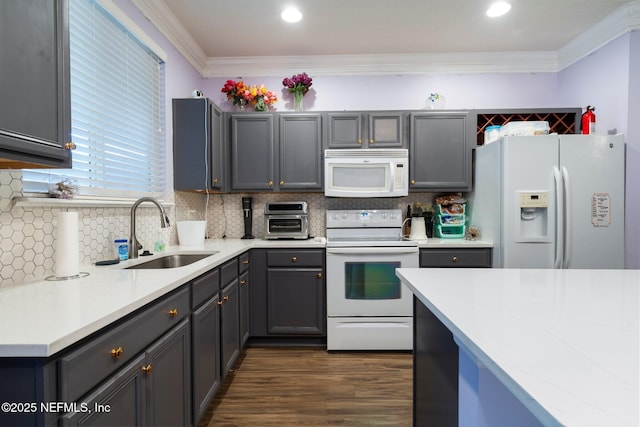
{"x":368,"y":308}
{"x":378,"y":172}
{"x":552,"y":201}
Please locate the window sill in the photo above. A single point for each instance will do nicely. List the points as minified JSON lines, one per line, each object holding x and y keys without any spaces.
{"x":33,"y":202}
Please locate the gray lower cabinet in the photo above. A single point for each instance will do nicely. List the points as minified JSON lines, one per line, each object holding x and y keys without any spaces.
{"x":153,"y":389}
{"x":456,"y":258}
{"x":288,"y":297}
{"x":229,"y":315}
{"x":198,"y":150}
{"x":366,"y":130}
{"x":244,"y":291}
{"x":440,"y":151}
{"x":35,"y":112}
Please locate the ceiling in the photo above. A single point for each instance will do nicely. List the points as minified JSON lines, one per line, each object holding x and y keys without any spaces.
{"x":228,"y":30}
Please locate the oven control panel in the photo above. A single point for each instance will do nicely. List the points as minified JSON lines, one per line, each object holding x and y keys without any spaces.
{"x":364,"y":218}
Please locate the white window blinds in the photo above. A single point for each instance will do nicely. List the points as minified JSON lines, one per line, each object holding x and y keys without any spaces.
{"x":117,"y":110}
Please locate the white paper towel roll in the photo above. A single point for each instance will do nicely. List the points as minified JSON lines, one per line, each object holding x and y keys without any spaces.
{"x":67,"y":258}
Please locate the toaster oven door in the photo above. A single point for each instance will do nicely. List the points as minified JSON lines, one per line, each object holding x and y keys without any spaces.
{"x":286,"y":227}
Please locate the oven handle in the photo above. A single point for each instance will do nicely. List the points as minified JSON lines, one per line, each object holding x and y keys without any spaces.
{"x":374,"y":250}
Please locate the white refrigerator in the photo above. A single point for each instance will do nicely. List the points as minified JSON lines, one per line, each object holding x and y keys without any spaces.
{"x":551,"y":201}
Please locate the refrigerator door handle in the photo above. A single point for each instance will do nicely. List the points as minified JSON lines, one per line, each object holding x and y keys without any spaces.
{"x":559,"y":238}
{"x":567,"y":218}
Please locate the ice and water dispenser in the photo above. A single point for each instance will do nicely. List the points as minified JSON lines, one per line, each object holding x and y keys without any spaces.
{"x":534,"y":216}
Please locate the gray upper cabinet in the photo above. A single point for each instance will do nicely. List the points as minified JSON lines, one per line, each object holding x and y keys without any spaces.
{"x":440,"y":151}
{"x":300,"y":155}
{"x":252,"y":152}
{"x":365,"y":130}
{"x":198,"y":149}
{"x":283,"y":158}
{"x":35,"y":112}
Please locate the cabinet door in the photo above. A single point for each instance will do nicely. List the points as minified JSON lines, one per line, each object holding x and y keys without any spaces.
{"x":252,"y":152}
{"x":386,"y":130}
{"x":300,"y":152}
{"x":345,"y":130}
{"x":191,"y":144}
{"x":35,"y":112}
{"x":218,"y":152}
{"x":229,"y":328}
{"x":120,"y":401}
{"x":440,"y":157}
{"x":168,"y":375}
{"x":205,"y":332}
{"x":295,"y":301}
{"x":245,"y":308}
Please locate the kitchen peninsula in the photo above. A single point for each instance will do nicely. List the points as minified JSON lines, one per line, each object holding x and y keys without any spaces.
{"x":536,"y":347}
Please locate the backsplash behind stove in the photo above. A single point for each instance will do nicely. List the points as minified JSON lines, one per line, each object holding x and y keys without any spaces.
{"x":27,"y":233}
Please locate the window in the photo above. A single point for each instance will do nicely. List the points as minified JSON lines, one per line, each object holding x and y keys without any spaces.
{"x":117,"y":110}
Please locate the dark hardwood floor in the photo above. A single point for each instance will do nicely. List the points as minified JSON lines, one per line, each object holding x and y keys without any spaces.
{"x":311,"y":387}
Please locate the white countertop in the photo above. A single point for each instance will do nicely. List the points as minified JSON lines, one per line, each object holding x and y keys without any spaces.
{"x":39,"y":319}
{"x":564,"y":342}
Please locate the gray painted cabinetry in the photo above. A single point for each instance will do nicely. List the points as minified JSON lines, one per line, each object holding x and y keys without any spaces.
{"x":229,"y":315}
{"x":440,"y":151}
{"x":198,"y":147}
{"x":366,"y":130}
{"x":266,"y":156}
{"x":456,"y":258}
{"x":35,"y":112}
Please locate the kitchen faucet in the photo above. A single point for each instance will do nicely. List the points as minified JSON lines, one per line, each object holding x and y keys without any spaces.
{"x":134,"y":246}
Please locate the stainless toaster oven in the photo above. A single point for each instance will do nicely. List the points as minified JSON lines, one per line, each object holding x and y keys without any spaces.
{"x":286,"y":220}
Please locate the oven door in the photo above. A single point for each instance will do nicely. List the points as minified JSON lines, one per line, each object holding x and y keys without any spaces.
{"x":362,"y":281}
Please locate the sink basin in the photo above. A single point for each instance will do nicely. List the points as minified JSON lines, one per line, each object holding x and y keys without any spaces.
{"x":171,"y":261}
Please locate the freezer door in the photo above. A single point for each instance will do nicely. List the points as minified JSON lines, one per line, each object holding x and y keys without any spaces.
{"x":593,"y":169}
{"x":529,"y":201}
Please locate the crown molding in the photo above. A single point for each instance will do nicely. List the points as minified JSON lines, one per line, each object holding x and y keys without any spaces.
{"x":159,"y":14}
{"x":621,"y":21}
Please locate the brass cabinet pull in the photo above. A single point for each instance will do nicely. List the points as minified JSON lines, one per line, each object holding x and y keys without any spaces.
{"x":454,"y":259}
{"x":319,"y":275}
{"x":245,"y":262}
{"x":215,"y":180}
{"x":147,"y":369}
{"x":226,"y":298}
{"x":220,"y":303}
{"x":371,"y":141}
{"x":243,"y":282}
{"x":359,"y":141}
{"x":173,"y":313}
{"x":281,"y":183}
{"x":117,"y":352}
{"x":270,"y":183}
{"x":294,"y":259}
{"x":413,"y":182}
{"x":70,"y":146}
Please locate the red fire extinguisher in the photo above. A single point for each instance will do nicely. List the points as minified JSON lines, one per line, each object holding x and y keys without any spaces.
{"x":589,"y":121}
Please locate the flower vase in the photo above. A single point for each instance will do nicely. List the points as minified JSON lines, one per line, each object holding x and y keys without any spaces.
{"x":240,"y":106}
{"x":297,"y":100}
{"x":260,"y":105}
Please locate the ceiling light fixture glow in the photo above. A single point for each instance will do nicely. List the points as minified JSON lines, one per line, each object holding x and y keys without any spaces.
{"x":291,"y":14}
{"x":498,"y":9}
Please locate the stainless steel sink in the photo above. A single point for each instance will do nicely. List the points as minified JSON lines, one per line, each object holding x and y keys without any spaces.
{"x":171,"y":261}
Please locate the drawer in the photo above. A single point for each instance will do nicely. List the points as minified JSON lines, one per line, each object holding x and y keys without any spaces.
{"x":295,"y":258}
{"x":243,"y":262}
{"x":228,"y":272}
{"x":107,"y":352}
{"x":204,"y":287}
{"x":455,"y":257}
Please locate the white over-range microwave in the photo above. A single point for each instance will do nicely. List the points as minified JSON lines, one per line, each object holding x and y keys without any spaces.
{"x":379,"y":172}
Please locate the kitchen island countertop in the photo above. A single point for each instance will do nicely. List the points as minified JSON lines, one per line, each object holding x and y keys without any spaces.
{"x":565,"y":343}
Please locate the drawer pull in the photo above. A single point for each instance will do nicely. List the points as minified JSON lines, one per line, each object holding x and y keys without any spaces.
{"x":243,"y":282}
{"x":117,"y":352}
{"x":220,"y":303}
{"x":226,"y":298}
{"x":245,"y":262}
{"x":294,"y":259}
{"x":454,"y":259}
{"x":147,"y":369}
{"x":173,"y":313}
{"x":319,"y":275}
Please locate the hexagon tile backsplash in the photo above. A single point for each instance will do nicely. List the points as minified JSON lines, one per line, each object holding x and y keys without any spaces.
{"x":27,"y":233}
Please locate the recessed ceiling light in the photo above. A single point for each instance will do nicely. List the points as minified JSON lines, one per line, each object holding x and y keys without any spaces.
{"x":291,"y":14}
{"x":498,"y":9}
